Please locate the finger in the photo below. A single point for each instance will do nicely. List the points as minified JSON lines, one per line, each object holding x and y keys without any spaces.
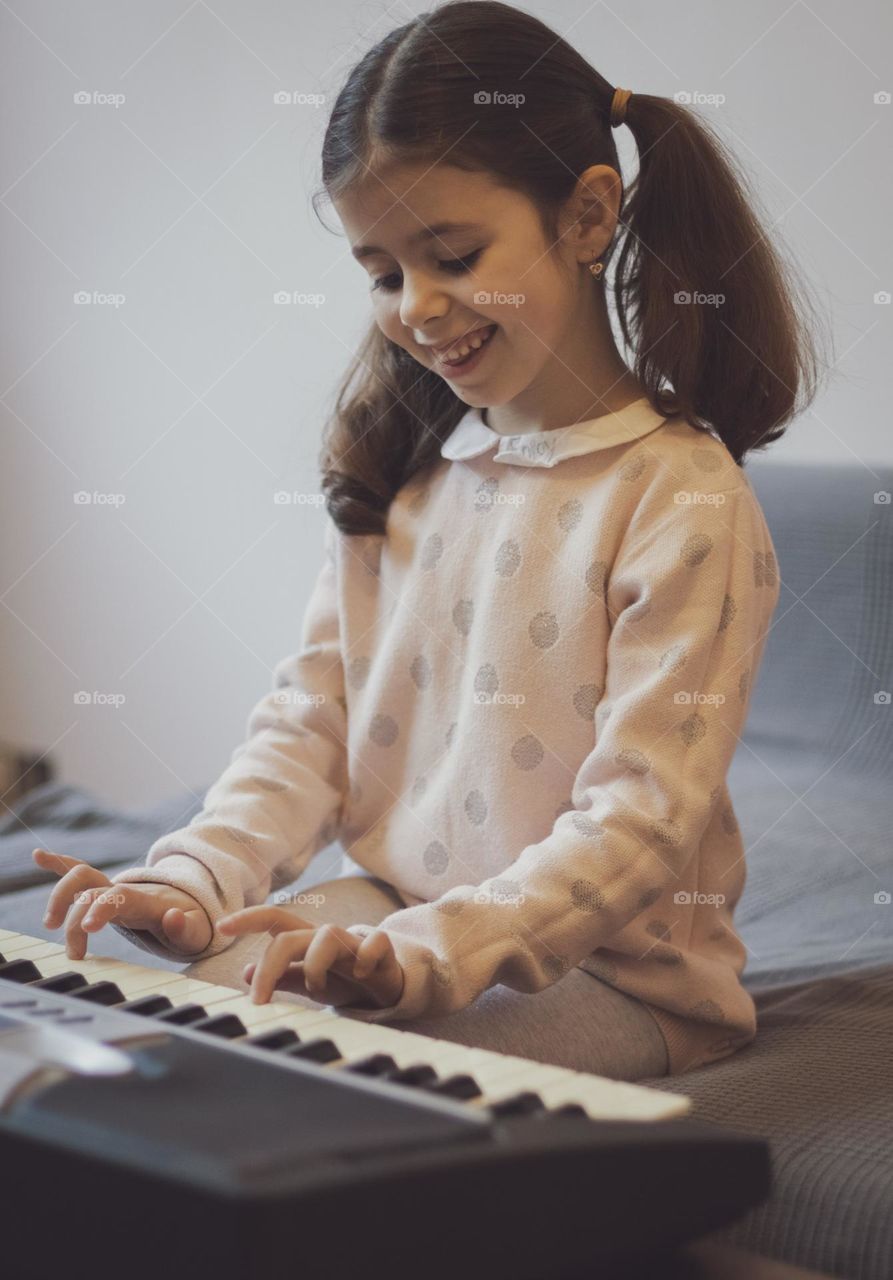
{"x":374,"y":948}
{"x":274,"y":962}
{"x":74,"y":881}
{"x":185,"y":931}
{"x":75,"y":937}
{"x":338,"y":990}
{"x":262,"y":919}
{"x":57,"y":862}
{"x":328,"y":946}
{"x":105,"y":905}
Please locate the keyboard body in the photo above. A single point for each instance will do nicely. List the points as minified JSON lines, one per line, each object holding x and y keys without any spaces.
{"x":138,"y":1144}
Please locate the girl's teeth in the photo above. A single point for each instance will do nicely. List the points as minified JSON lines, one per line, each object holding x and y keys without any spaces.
{"x":472,"y":344}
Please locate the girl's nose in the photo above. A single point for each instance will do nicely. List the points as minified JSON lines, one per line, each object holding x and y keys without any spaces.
{"x":421,"y":303}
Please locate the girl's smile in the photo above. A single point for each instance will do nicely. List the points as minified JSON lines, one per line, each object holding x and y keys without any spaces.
{"x":464,"y":357}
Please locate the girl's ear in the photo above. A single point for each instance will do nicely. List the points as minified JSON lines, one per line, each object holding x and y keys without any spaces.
{"x":592,"y":210}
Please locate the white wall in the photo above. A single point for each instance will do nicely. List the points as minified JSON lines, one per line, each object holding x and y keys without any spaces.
{"x":197,"y":398}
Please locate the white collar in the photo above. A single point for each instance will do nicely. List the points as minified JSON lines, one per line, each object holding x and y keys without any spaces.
{"x":471,"y":436}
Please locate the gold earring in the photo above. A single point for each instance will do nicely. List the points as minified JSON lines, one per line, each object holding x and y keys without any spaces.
{"x":596,"y":268}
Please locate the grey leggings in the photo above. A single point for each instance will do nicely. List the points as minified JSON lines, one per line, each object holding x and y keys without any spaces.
{"x":579,"y":1022}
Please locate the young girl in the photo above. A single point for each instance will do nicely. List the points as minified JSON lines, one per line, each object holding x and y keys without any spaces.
{"x":528,"y":657}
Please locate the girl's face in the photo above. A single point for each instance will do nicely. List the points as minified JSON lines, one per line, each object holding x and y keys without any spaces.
{"x":450,"y":254}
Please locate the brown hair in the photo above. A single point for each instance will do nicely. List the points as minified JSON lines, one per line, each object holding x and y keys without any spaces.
{"x":685,"y":225}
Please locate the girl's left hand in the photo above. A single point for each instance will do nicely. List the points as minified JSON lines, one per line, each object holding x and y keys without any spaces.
{"x":324,"y":962}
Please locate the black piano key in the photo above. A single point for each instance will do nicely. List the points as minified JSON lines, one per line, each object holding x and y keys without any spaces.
{"x":459,"y":1086}
{"x":316,"y":1051}
{"x":62,"y":982}
{"x":147,"y":1006}
{"x":20,"y":970}
{"x":183,"y":1014}
{"x":226,"y":1025}
{"x":570,"y":1109}
{"x":376,"y":1064}
{"x":106,"y":993}
{"x":280,"y":1038}
{"x":420,"y":1073}
{"x":520,"y":1104}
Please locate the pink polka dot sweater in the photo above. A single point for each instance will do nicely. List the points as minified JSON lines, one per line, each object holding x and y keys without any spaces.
{"x":519,"y":706}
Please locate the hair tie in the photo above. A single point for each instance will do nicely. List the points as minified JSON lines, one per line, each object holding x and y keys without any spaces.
{"x":618,"y":106}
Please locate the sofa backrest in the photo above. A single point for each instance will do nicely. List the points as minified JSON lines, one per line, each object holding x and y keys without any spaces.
{"x":828,"y":662}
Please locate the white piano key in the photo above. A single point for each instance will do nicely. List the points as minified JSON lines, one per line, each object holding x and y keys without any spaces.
{"x":605,"y":1099}
{"x":452,"y":1059}
{"x":377,"y":1040}
{"x":24,"y":948}
{"x":59,"y":962}
{"x":48,"y":951}
{"x":17,"y":947}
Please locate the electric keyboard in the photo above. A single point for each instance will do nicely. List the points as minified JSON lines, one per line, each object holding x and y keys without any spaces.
{"x":144,"y":1113}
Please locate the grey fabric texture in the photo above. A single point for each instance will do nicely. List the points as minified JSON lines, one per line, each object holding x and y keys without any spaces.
{"x":66,"y":819}
{"x":818,"y":1083}
{"x":810,"y":782}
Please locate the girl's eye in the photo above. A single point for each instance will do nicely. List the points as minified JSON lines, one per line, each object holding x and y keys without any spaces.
{"x":457,"y":266}
{"x":453,"y":266}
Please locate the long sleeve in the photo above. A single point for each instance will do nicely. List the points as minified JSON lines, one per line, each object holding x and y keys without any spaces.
{"x":689,"y":600}
{"x":281,"y":797}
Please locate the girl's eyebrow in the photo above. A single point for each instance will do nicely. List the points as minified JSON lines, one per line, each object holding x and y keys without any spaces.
{"x":361,"y":251}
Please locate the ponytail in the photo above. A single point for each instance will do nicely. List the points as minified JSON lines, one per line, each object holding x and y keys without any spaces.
{"x":703,"y":299}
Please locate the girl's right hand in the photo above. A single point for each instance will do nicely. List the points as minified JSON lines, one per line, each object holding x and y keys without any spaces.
{"x":91,"y":900}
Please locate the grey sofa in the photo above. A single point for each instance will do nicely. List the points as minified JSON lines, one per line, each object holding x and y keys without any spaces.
{"x":812,"y":782}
